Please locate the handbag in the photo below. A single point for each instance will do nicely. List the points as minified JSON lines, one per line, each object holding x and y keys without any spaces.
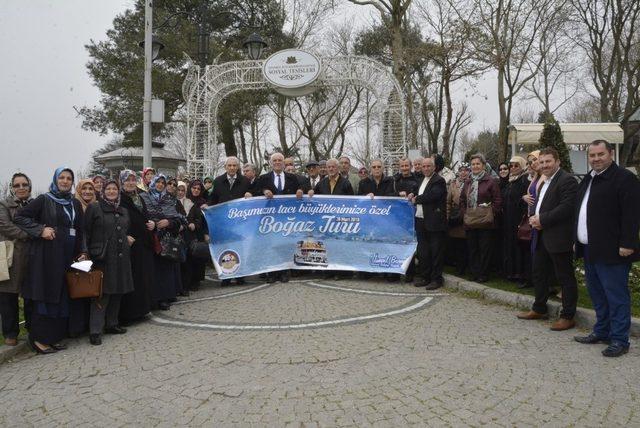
{"x":6,"y":259}
{"x":173,"y":248}
{"x":84,"y":284}
{"x":479,"y":218}
{"x":524,"y":229}
{"x":199,"y":250}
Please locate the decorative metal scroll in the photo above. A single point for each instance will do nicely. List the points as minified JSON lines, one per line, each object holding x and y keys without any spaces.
{"x":204,"y":91}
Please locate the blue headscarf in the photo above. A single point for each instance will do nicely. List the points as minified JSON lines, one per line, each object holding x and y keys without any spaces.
{"x":60,"y":197}
{"x":157,"y":195}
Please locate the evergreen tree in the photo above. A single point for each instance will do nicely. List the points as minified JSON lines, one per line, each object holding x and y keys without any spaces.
{"x":551,"y":136}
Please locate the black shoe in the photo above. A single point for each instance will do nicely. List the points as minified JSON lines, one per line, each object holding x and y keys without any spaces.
{"x":164,"y":306}
{"x":616,"y":349}
{"x":59,"y":346}
{"x":482,"y":279}
{"x":590,"y":339}
{"x":225,"y":282}
{"x":115,"y":330}
{"x":433,"y":286}
{"x":240,"y":281}
{"x":420,"y":284}
{"x":32,"y":344}
{"x":95,"y":339}
{"x":284,"y":277}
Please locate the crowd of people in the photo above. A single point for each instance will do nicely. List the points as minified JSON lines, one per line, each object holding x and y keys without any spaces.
{"x":525,"y":221}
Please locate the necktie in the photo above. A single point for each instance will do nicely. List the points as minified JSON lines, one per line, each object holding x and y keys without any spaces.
{"x":231,"y":181}
{"x":279,"y":184}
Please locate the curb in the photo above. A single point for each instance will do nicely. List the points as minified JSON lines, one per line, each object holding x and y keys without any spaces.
{"x":585,"y":318}
{"x":8,"y":352}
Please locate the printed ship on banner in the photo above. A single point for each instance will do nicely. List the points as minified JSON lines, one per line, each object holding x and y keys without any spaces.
{"x":256,"y":235}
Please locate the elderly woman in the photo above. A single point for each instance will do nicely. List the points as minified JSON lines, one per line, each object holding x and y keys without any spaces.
{"x":161,"y":207}
{"x":457,"y":247}
{"x":86,"y":193}
{"x":480,"y":191}
{"x":147,"y":176}
{"x":514,"y":208}
{"x":136,"y":305}
{"x":55,"y":222}
{"x":193,"y":269}
{"x":20,"y":196}
{"x":106,"y":227}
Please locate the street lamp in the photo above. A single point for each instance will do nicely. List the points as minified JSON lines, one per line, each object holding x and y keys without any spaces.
{"x":254,"y":46}
{"x":156,"y":46}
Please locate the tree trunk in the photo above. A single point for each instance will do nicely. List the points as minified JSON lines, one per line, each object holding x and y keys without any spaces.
{"x":446,"y":134}
{"x":243,"y":144}
{"x":226,"y":129}
{"x":503,"y":134}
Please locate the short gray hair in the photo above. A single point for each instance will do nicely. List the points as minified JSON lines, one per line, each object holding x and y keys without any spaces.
{"x":231,"y":158}
{"x":251,"y":166}
{"x":480,"y":157}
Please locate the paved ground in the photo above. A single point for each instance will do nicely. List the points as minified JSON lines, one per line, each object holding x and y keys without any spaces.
{"x":314,"y":354}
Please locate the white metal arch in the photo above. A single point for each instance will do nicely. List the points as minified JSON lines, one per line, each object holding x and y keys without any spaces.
{"x":204,"y":91}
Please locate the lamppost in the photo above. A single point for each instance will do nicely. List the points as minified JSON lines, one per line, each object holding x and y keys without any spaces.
{"x":152,"y":45}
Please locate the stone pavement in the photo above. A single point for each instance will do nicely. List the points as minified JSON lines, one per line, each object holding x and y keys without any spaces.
{"x":325,"y":353}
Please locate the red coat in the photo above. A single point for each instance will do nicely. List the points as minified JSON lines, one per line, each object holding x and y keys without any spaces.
{"x":488,"y":191}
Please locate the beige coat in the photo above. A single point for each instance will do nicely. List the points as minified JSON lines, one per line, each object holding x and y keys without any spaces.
{"x":10,"y":232}
{"x":453,"y":207}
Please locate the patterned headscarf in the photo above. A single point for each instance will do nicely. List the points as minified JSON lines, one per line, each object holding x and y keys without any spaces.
{"x":156,"y":194}
{"x":60,"y":197}
{"x":79,"y":187}
{"x":115,"y":204}
{"x":12,"y":191}
{"x":144,"y":174}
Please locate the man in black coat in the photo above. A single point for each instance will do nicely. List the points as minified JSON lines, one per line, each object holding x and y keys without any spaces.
{"x":249,"y":171}
{"x":554,"y":220}
{"x":377,"y":184}
{"x":333,"y":183}
{"x":406,"y":181}
{"x":607,"y":225}
{"x":431,"y":225}
{"x":277,"y":182}
{"x":313,"y":176}
{"x":230,"y":185}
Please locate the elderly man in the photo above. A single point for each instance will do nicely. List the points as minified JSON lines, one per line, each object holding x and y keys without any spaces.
{"x":323,"y":168}
{"x":406,"y":181}
{"x":377,"y":184}
{"x":249,"y":171}
{"x":277,"y":182}
{"x":313,"y":174}
{"x":334,"y":183}
{"x":608,"y":221}
{"x":554,"y":221}
{"x":417,"y":168}
{"x":345,"y":171}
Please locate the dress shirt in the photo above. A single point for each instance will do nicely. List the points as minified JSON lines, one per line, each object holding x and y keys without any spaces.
{"x":275,"y":181}
{"x":332,"y":182}
{"x":543,"y":191}
{"x":583,"y":235}
{"x":421,"y":190}
{"x":314,"y":181}
{"x":231,"y":180}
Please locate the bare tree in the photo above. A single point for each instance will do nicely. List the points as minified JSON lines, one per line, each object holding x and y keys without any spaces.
{"x":305,"y":16}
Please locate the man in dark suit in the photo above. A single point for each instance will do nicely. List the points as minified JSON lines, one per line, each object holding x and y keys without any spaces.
{"x":229,"y":186}
{"x":554,"y":220}
{"x":431,"y":225}
{"x":607,"y":225}
{"x":277,"y":182}
{"x":333,"y":183}
{"x":313,"y":175}
{"x":249,"y":171}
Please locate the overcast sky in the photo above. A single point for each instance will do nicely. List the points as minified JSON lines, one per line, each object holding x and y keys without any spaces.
{"x":43,"y":77}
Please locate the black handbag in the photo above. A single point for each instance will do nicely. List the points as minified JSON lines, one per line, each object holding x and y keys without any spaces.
{"x":199,"y":250}
{"x":173,"y":248}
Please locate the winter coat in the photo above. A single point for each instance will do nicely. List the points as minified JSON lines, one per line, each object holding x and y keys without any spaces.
{"x":10,"y":232}
{"x":106,"y":229}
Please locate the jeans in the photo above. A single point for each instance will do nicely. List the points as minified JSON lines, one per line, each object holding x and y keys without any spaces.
{"x":608,"y":287}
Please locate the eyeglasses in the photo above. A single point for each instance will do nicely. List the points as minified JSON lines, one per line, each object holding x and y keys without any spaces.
{"x":376,"y":166}
{"x":19,"y":185}
{"x":514,"y":165}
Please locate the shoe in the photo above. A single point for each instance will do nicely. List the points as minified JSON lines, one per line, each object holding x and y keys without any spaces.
{"x":225,"y":282}
{"x":408,"y":279}
{"x":590,"y":339}
{"x":164,"y":306}
{"x":433,"y":286}
{"x":45,"y":351}
{"x":240,"y":281}
{"x":10,"y":341}
{"x":59,"y":346}
{"x":284,"y":277}
{"x":524,"y":285}
{"x":616,"y":349}
{"x":271,"y":279}
{"x":563,"y":324}
{"x":115,"y":330}
{"x":532,"y":315}
{"x":421,"y":284}
{"x":95,"y":339}
{"x":482,"y":279}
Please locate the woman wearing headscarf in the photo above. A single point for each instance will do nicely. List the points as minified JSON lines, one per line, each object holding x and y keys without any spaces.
{"x":457,"y":238}
{"x":193,"y":269}
{"x":106,"y":227}
{"x":535,"y":181}
{"x":86,"y":193}
{"x":137,"y":304}
{"x":98,"y":184}
{"x":208,"y":187}
{"x":480,"y":190}
{"x":147,"y":176}
{"x":161,"y":207}
{"x":514,"y":208}
{"x":54,"y":220}
{"x":20,"y":196}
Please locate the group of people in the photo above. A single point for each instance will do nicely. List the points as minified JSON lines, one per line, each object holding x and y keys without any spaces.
{"x":532,"y":215}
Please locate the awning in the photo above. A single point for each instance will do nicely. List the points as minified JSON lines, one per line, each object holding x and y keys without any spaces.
{"x":573,"y":133}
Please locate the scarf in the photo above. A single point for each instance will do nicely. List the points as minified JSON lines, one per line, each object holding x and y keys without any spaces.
{"x":473,"y":194}
{"x":116,"y":203}
{"x":20,"y":202}
{"x":197,"y":200}
{"x":135,"y":196}
{"x":155,"y":193}
{"x":186,"y":203}
{"x":205,"y":191}
{"x":54,"y":193}
{"x":79,"y":187}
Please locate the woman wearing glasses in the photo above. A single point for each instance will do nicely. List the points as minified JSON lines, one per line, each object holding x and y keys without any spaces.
{"x":19,"y":197}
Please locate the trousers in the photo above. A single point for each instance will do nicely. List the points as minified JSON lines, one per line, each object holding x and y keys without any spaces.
{"x":562,"y":265}
{"x":104,"y":311}
{"x":431,"y":247}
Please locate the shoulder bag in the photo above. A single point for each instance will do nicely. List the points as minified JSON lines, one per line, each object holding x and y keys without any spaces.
{"x":84,"y":284}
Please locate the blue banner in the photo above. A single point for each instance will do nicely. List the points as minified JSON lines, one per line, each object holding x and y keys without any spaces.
{"x":256,"y":235}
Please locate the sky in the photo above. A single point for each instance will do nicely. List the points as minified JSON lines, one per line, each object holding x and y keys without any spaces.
{"x":44,"y":76}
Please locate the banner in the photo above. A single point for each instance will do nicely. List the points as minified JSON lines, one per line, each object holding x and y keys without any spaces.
{"x":256,"y":235}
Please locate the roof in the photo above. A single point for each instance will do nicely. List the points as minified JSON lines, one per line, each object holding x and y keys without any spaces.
{"x":136,"y":152}
{"x":574,"y":133}
{"x":635,"y":116}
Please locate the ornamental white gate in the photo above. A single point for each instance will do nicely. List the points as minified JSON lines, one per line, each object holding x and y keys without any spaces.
{"x":204,"y":91}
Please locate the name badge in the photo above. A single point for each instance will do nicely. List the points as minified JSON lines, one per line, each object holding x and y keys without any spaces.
{"x":72,"y":232}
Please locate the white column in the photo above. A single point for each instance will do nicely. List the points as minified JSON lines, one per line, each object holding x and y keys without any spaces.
{"x":147,"y":160}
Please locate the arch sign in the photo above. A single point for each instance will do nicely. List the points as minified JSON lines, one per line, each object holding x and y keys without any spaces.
{"x":291,"y":72}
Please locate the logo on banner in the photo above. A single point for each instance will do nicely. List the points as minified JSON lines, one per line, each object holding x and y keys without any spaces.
{"x":229,"y":262}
